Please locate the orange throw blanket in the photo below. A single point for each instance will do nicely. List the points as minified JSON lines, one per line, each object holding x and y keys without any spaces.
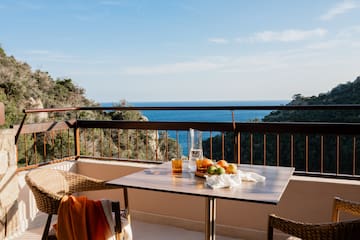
{"x":80,"y":218}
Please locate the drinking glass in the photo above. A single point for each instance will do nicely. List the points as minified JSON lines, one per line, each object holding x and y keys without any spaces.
{"x":196,"y":150}
{"x":176,"y":165}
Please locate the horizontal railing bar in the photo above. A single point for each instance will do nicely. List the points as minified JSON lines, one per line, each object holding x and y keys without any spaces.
{"x":204,"y":126}
{"x":120,"y":159}
{"x":300,"y":127}
{"x":28,"y":167}
{"x":46,"y":127}
{"x":327,"y":175}
{"x":262,"y":127}
{"x":306,"y":128}
{"x":211,"y":108}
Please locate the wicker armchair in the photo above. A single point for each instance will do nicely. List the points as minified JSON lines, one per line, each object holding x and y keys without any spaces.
{"x":333,"y":230}
{"x":50,"y":185}
{"x":345,"y":206}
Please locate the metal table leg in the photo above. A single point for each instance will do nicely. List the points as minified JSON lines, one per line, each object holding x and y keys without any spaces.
{"x":210,"y":217}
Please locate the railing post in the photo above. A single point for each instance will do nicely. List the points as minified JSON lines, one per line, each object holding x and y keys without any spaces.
{"x":77,"y":141}
{"x":235,"y":147}
{"x":19,"y":129}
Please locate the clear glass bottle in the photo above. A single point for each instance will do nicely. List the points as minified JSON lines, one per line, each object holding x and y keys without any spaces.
{"x":196,"y":150}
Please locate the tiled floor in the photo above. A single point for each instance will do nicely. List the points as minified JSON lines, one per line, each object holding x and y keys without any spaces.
{"x":141,"y":231}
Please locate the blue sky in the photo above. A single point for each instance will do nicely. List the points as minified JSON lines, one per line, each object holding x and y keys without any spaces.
{"x":187,"y":50}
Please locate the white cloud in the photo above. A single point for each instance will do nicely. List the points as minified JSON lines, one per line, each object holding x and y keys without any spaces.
{"x":180,"y":67}
{"x":309,"y":56}
{"x":325,"y":44}
{"x":356,"y":44}
{"x":290,"y":35}
{"x":350,"y":32}
{"x":338,"y":9}
{"x":218,"y":40}
{"x":225,"y":64}
{"x":344,"y":38}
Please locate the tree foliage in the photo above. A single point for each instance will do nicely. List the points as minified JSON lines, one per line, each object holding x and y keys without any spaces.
{"x":21,"y":88}
{"x":347,"y":93}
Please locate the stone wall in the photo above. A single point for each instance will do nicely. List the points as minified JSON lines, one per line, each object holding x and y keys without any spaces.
{"x":9,"y":189}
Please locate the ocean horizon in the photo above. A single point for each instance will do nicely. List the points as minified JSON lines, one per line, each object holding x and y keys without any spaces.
{"x":202,"y":115}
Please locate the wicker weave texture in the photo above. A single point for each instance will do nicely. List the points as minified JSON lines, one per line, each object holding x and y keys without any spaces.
{"x":347,"y":230}
{"x":50,"y":185}
{"x":342,"y":205}
{"x":325,"y":231}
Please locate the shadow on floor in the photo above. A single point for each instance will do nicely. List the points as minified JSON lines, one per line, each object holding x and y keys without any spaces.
{"x":141,"y":231}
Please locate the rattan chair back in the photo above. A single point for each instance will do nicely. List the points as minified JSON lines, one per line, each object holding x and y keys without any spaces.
{"x":349,"y":230}
{"x":49,"y":186}
{"x":342,"y":205}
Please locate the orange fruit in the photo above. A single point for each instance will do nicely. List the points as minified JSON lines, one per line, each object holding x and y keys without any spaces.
{"x":207,"y":163}
{"x":222,"y":163}
{"x":231,"y":169}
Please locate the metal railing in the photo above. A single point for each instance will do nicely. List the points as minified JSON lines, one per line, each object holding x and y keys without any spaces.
{"x":313,"y":148}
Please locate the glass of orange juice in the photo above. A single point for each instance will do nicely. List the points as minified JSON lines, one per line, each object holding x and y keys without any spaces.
{"x":176,"y":165}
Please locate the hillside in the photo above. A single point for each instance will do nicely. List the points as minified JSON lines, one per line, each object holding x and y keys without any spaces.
{"x":347,"y":93}
{"x":21,"y":88}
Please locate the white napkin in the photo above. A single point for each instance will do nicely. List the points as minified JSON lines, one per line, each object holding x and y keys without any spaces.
{"x":232,"y":180}
{"x":223,"y":180}
{"x":251,"y":176}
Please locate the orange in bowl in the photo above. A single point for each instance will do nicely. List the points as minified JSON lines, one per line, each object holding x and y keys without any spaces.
{"x":222,"y":163}
{"x":203,"y":164}
{"x":207,"y":163}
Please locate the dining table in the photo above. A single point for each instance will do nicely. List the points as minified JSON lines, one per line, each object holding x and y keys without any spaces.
{"x":160,"y":178}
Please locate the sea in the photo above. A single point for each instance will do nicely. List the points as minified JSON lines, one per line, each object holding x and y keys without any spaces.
{"x":202,"y":115}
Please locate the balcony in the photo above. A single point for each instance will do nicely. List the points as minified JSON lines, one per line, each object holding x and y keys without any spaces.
{"x":86,"y":149}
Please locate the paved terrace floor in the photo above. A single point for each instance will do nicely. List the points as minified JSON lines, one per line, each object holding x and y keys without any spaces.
{"x":141,"y":231}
